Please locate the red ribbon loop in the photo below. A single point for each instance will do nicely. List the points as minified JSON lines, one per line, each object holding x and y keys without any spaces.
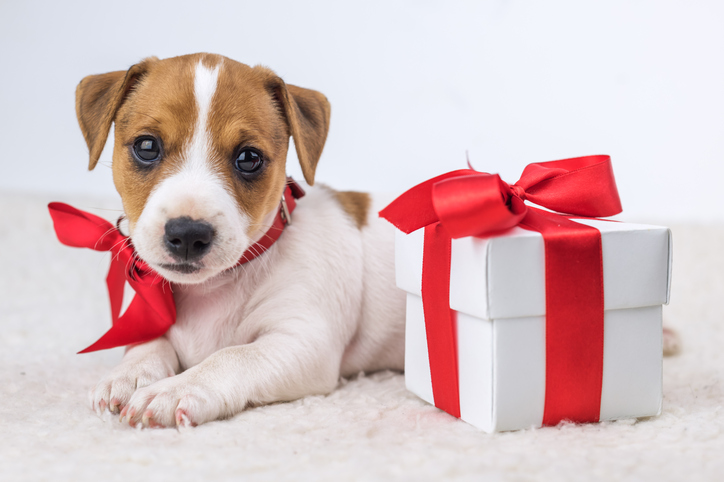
{"x":469,"y":203}
{"x":477,"y":204}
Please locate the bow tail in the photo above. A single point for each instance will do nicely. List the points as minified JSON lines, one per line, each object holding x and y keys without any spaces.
{"x":116,"y":282}
{"x":139,"y":324}
{"x":157,"y":297}
{"x":414,"y":209}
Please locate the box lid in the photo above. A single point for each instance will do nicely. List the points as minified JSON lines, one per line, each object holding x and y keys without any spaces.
{"x":504,"y":276}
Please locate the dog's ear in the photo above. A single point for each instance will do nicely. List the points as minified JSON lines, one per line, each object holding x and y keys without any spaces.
{"x":97,"y":99}
{"x":307,"y":113}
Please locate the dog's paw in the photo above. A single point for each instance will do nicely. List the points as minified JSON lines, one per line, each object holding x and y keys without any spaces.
{"x":115,"y":389}
{"x":176,"y":401}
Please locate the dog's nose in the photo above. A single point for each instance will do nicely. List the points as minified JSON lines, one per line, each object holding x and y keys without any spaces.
{"x":188,"y":240}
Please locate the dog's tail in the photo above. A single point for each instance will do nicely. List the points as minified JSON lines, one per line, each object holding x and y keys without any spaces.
{"x":672,"y":342}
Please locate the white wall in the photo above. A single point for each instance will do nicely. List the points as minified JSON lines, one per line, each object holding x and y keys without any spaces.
{"x":413,"y":85}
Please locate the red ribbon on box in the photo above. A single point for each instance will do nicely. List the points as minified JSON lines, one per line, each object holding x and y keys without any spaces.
{"x":470,"y":203}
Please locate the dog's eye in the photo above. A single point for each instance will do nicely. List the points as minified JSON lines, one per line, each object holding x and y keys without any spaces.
{"x":248,"y":161}
{"x":147,"y":149}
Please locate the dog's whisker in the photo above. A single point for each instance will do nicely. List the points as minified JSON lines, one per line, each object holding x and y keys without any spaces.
{"x":261,"y":261}
{"x":102,"y":237}
{"x":124,"y":243}
{"x":121,"y":242}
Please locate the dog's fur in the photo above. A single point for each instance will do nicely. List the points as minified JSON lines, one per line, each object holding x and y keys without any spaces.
{"x":320,"y":303}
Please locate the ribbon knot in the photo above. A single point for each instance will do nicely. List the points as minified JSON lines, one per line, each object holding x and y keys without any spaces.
{"x":517,"y":191}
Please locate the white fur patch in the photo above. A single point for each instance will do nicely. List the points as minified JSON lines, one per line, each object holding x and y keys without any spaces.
{"x":199,"y":150}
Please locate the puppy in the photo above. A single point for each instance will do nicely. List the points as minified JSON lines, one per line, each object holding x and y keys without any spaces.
{"x":200,"y":152}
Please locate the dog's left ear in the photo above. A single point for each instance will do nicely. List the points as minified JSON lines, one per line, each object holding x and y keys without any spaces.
{"x":307,"y":113}
{"x":97,"y":99}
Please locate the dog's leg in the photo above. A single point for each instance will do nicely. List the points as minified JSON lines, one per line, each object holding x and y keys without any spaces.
{"x":142,"y":365}
{"x":275,"y":367}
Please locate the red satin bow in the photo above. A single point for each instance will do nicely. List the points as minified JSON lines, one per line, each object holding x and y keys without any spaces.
{"x":469,"y":203}
{"x":472,"y":203}
{"x":153,"y":310}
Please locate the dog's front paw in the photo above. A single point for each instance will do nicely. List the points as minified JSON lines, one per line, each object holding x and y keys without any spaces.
{"x":176,"y":401}
{"x":115,"y":389}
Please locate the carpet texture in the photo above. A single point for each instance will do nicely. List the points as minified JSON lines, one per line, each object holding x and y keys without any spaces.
{"x":53,"y":303}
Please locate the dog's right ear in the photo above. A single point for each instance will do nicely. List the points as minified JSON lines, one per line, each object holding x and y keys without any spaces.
{"x":97,"y":99}
{"x":307,"y":114}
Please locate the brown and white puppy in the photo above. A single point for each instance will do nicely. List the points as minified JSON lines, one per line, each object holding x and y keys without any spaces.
{"x":200,"y":148}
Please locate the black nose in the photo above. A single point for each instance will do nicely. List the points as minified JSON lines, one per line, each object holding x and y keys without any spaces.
{"x":188,"y":240}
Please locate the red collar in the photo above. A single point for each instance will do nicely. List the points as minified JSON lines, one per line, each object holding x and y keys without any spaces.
{"x":153,"y":310}
{"x":292,"y":192}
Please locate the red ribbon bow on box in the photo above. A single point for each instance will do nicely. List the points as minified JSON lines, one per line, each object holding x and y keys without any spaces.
{"x":470,"y":203}
{"x":153,"y":310}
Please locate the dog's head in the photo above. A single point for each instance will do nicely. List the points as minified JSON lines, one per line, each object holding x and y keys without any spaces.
{"x":200,"y":152}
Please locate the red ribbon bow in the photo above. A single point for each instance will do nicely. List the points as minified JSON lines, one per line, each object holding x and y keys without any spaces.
{"x":153,"y":310}
{"x":469,"y":203}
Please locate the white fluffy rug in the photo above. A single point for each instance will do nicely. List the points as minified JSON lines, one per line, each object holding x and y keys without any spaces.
{"x":53,"y":303}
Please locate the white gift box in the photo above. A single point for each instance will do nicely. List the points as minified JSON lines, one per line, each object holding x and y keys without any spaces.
{"x":497,"y":287}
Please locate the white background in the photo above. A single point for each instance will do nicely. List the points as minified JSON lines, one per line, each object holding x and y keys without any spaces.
{"x":413,"y":86}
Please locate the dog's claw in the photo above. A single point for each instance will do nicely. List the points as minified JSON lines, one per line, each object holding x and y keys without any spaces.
{"x":182,"y":420}
{"x":123,"y":414}
{"x":131,"y":413}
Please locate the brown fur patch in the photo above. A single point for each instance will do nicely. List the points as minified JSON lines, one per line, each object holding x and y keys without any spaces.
{"x":307,"y":113}
{"x":355,"y":204}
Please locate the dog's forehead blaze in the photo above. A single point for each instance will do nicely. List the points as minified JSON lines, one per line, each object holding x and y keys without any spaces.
{"x":242,"y":113}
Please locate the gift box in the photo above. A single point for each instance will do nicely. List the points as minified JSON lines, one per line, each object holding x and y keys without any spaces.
{"x":523,"y":323}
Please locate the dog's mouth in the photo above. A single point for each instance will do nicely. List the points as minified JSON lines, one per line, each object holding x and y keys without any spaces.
{"x":184,"y":268}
